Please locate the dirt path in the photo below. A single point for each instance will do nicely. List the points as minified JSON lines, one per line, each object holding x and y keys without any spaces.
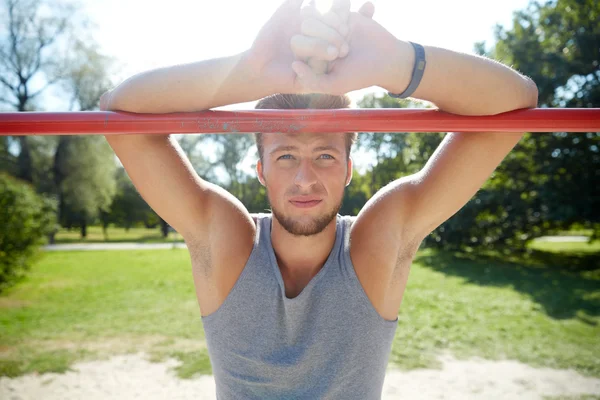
{"x":133,"y":377}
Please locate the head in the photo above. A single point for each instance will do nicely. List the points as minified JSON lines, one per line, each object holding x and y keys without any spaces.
{"x":305,"y":174}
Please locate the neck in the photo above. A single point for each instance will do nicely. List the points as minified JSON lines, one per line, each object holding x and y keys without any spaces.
{"x":302,"y":256}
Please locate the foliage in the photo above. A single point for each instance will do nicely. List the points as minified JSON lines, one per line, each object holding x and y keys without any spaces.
{"x":43,"y":47}
{"x":26,"y":218}
{"x":128,"y":207}
{"x":556,"y":187}
{"x":547,"y":183}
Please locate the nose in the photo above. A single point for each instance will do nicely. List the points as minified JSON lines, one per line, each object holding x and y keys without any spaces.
{"x":305,"y":175}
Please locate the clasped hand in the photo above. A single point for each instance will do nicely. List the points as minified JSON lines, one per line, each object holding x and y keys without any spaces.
{"x":301,"y":50}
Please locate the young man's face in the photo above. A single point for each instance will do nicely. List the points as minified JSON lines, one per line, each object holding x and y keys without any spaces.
{"x":305,"y":176}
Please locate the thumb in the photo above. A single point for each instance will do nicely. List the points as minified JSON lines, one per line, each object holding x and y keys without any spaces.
{"x":367,"y":9}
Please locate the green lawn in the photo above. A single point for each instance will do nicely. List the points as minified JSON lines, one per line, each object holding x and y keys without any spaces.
{"x":115,"y":235}
{"x":90,"y":305}
{"x":570,"y":247}
{"x":143,"y":235}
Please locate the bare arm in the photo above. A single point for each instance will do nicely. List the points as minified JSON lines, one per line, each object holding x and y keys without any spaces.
{"x":190,"y":87}
{"x":467,"y":85}
{"x":156,"y":164}
{"x":408,"y":209}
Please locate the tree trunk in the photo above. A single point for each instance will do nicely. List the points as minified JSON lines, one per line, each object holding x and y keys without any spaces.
{"x":24,"y":164}
{"x":83,"y":228}
{"x":59,"y":176}
{"x":164,"y":228}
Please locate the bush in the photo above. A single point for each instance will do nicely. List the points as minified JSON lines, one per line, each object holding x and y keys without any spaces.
{"x":25,"y":219}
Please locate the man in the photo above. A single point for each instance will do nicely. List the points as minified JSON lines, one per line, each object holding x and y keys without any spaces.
{"x":303,"y":303}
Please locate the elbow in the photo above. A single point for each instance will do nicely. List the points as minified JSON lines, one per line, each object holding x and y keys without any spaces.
{"x":111,"y":101}
{"x":104,"y":101}
{"x":532,"y":90}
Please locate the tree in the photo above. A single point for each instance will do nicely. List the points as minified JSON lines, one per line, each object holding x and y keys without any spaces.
{"x":25,"y":218}
{"x":84,"y":166}
{"x":548,"y":181}
{"x":43,"y":47}
{"x":128,"y":207}
{"x":28,"y":51}
{"x":556,"y":43}
{"x":396,"y":154}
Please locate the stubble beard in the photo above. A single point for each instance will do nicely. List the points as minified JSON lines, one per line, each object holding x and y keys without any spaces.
{"x":297,"y":228}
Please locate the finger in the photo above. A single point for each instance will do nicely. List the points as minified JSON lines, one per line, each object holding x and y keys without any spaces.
{"x":342,"y":9}
{"x":309,"y":11}
{"x":316,"y":28}
{"x":341,"y":5}
{"x":306,"y":77}
{"x":319,"y":67}
{"x":331,"y":18}
{"x":307,"y":47}
{"x":310,"y":81}
{"x":367,"y":9}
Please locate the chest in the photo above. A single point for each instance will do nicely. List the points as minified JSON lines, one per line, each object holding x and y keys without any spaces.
{"x":383,"y":285}
{"x":294,"y":285}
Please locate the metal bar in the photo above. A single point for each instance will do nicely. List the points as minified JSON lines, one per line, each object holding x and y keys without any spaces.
{"x":297,"y":121}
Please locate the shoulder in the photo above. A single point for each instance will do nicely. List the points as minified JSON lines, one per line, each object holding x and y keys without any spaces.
{"x":346,"y":221}
{"x":257,"y":217}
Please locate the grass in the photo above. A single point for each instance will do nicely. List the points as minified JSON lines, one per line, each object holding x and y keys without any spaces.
{"x":115,"y":235}
{"x":569,"y":247}
{"x":144,"y":235}
{"x":90,"y":305}
{"x":541,"y":314}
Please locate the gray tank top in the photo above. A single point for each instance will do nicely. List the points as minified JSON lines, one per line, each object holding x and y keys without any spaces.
{"x":329,"y":342}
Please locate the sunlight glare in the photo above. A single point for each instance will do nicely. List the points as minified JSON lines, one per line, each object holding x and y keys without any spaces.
{"x":324,"y":5}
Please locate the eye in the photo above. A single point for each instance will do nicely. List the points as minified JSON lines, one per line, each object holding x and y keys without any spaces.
{"x":327,"y":156}
{"x":285,"y":157}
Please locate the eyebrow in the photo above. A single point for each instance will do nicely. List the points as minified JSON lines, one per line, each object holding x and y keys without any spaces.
{"x":316,"y":149}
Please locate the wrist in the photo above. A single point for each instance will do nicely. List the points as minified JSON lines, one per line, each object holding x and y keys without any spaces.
{"x":398,"y":72}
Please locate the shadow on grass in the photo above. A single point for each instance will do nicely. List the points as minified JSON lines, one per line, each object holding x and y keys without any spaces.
{"x":566,"y":285}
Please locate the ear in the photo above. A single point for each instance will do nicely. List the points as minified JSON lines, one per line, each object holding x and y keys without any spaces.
{"x":349,"y":173}
{"x":259,"y":173}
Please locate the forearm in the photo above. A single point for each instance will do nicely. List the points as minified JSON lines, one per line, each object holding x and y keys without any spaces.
{"x":189,"y":87}
{"x":461,"y":83}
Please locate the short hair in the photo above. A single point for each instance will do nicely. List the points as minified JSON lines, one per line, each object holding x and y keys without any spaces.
{"x":316,"y":101}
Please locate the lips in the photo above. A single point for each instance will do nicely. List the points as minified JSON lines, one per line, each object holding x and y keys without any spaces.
{"x":301,"y":199}
{"x":305,"y":202}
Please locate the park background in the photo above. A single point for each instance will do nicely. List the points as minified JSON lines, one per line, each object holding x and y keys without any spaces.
{"x":483,"y":284}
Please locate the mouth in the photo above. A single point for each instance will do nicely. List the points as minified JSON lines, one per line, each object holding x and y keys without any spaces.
{"x":305,"y":203}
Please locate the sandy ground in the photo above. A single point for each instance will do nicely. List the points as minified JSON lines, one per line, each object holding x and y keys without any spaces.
{"x":133,"y":377}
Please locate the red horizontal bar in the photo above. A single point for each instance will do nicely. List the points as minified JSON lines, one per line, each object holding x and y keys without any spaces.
{"x":339,"y":120}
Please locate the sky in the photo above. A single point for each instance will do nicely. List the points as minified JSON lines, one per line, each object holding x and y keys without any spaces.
{"x":143,"y":35}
